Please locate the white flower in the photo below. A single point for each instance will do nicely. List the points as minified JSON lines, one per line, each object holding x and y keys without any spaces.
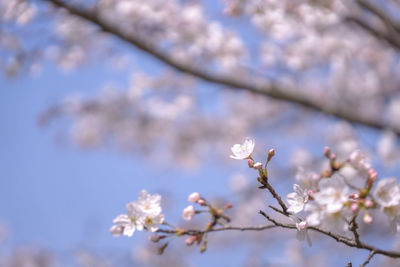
{"x":123,"y":224}
{"x":359,"y":161}
{"x":393,"y":213}
{"x":243,"y":151}
{"x":387,"y":192}
{"x":308,"y":179}
{"x":297,"y":199}
{"x":150,"y":204}
{"x":144,"y":213}
{"x":387,"y":147}
{"x":332,"y":195}
{"x":194,"y":197}
{"x":135,"y":214}
{"x":318,"y":216}
{"x":188,"y":213}
{"x":151,"y":222}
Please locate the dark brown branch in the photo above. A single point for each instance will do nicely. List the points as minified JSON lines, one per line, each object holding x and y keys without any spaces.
{"x":267,"y":185}
{"x":276,"y":92}
{"x":353,"y":228}
{"x":338,"y":238}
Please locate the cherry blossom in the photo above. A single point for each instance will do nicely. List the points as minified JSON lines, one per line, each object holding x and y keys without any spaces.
{"x":194,"y":197}
{"x":188,"y":213}
{"x":243,"y":151}
{"x":145,"y":213}
{"x":387,"y":192}
{"x":297,"y":199}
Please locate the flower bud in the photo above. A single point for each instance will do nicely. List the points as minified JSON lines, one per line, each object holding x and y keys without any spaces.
{"x":194,"y":197}
{"x":190,"y":240}
{"x":116,"y":230}
{"x":301,"y":225}
{"x":228,"y":206}
{"x":188,"y":213}
{"x":372,"y":176}
{"x":368,"y":203}
{"x":354,"y":196}
{"x":154,"y":238}
{"x":333,"y":156}
{"x":271,"y":153}
{"x":354,"y":207}
{"x":257,"y":166}
{"x":250,"y":162}
{"x":367,"y":218}
{"x":327,"y":151}
{"x":202,"y":202}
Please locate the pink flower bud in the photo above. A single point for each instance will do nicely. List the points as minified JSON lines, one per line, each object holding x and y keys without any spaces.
{"x":367,"y":218}
{"x":354,"y":207}
{"x":372,"y":176}
{"x":188,"y":213}
{"x":333,"y":156}
{"x":257,"y":166}
{"x":271,"y":153}
{"x":368,"y":203}
{"x":354,"y":196}
{"x":202,"y":202}
{"x":194,"y":197}
{"x":190,"y":240}
{"x":228,"y":206}
{"x":327,"y":151}
{"x":301,"y":225}
{"x":250,"y":162}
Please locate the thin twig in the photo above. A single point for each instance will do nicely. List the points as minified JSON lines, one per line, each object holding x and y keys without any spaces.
{"x":275,"y":195}
{"x":277,"y":210}
{"x":371,"y":254}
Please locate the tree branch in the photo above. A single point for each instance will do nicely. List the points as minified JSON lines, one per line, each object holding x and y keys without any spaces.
{"x":266,"y":89}
{"x":371,"y":254}
{"x":228,"y":228}
{"x":353,"y":228}
{"x":395,"y":43}
{"x":338,"y":238}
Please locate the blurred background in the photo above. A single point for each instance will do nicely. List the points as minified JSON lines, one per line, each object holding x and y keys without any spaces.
{"x":89,"y":120}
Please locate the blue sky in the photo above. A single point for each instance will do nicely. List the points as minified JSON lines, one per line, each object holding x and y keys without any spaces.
{"x":61,"y":197}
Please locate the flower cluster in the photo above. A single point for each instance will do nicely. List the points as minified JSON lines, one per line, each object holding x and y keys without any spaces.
{"x":145,"y":213}
{"x":328,"y":199}
{"x":331,"y":201}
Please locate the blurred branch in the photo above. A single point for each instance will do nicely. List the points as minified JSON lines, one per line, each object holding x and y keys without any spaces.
{"x":394,"y":42}
{"x":392,"y":33}
{"x":379,"y":13}
{"x":266,"y":89}
{"x":228,"y":228}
